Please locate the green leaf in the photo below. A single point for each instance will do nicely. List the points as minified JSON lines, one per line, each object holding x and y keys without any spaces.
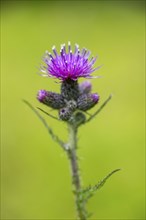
{"x":90,"y":190}
{"x":50,"y":131}
{"x":103,"y":181}
{"x":99,"y":110}
{"x":52,"y":116}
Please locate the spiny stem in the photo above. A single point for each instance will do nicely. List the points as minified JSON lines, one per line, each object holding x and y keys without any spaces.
{"x":76,"y":181}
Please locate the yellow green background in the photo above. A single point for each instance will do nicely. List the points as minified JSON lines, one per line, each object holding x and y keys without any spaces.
{"x":36,"y":181}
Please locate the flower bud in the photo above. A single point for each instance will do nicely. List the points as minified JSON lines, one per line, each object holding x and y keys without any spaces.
{"x":85,"y":87}
{"x":87,"y":101}
{"x":65,"y":114}
{"x":51,"y":99}
{"x":80,"y":118}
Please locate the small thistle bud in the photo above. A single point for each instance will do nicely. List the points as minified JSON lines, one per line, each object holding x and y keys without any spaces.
{"x":80,"y":118}
{"x":70,"y":89}
{"x":87,"y":101}
{"x":85,"y":87}
{"x":65,"y":114}
{"x":51,"y":99}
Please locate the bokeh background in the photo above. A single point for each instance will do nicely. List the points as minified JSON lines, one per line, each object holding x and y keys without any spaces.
{"x":36,"y":181}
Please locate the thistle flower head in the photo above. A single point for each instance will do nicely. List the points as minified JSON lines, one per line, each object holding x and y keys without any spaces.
{"x":74,"y":97}
{"x":68,"y":64}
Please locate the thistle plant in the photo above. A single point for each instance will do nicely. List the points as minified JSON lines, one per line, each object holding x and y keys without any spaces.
{"x":72,"y":105}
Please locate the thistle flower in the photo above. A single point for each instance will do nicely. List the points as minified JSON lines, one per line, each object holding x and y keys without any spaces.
{"x":68,"y":64}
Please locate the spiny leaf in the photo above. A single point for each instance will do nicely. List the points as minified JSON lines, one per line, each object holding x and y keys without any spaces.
{"x":102,"y":182}
{"x":98,"y":110}
{"x":52,"y":116}
{"x":90,"y":190}
{"x":50,"y":131}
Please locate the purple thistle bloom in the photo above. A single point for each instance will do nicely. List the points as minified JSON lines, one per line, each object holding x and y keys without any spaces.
{"x":68,"y":64}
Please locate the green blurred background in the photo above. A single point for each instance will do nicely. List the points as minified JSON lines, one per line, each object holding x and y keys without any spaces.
{"x":36,"y":181}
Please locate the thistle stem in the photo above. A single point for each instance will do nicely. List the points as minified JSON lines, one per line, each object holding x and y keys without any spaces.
{"x":76,"y":179}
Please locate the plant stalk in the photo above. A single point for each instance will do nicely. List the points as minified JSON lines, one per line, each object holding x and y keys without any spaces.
{"x":76,"y":180}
